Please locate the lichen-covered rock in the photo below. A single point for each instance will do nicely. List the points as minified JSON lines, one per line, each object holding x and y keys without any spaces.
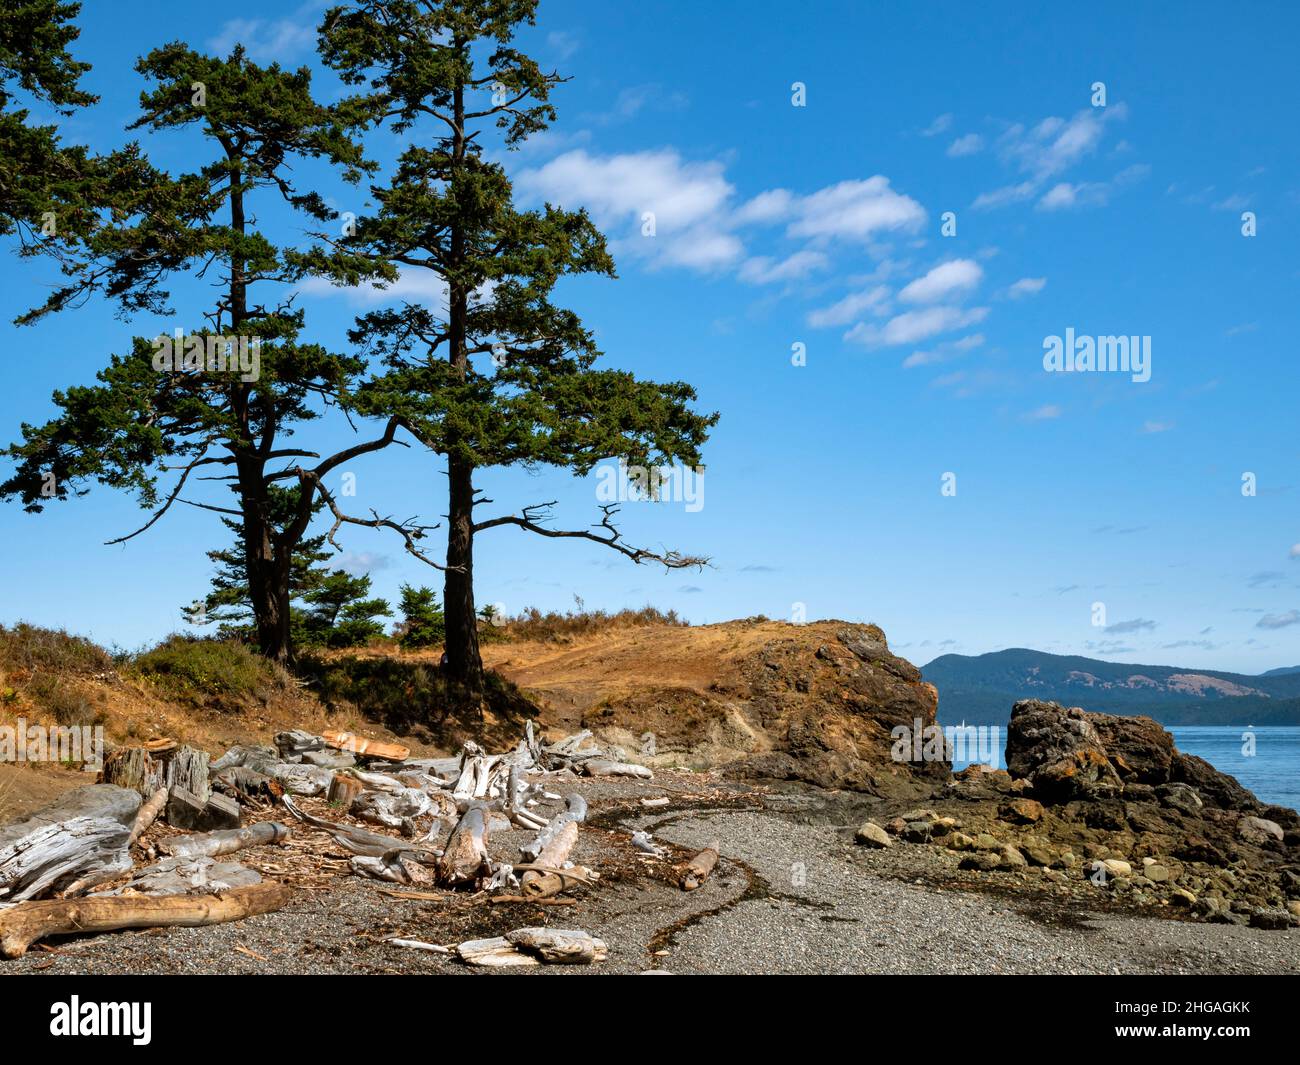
{"x":1060,"y":752}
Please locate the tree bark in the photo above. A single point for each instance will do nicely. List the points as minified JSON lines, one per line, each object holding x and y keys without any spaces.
{"x":464,"y":663}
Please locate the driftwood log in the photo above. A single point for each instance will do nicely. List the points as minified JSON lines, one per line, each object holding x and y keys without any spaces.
{"x":212,"y":844}
{"x":697,"y":870}
{"x":496,"y":953}
{"x":30,"y":922}
{"x":348,"y":741}
{"x":76,"y":842}
{"x":554,"y":854}
{"x":148,"y":815}
{"x":559,"y":946}
{"x":575,"y":812}
{"x":188,"y":876}
{"x":465,"y":858}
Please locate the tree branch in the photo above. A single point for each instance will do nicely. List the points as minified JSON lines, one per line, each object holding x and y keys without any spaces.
{"x":531,"y":516}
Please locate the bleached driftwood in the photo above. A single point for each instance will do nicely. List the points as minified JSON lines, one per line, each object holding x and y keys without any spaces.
{"x":465,"y":858}
{"x":148,"y":814}
{"x":396,"y":867}
{"x":575,"y":812}
{"x":415,"y":944}
{"x":23,"y":925}
{"x":358,"y":840}
{"x":78,"y":840}
{"x":294,"y":743}
{"x":392,"y":811}
{"x":603,"y":767}
{"x":247,"y":756}
{"x":69,"y":856}
{"x":329,"y":758}
{"x":247,"y":785}
{"x":642,"y":842}
{"x":187,"y":811}
{"x":303,"y":779}
{"x":188,"y":876}
{"x":697,"y":870}
{"x":134,"y":768}
{"x":377,"y":781}
{"x":559,"y":946}
{"x":188,"y":769}
{"x":496,"y":953}
{"x":212,"y":844}
{"x":554,"y":854}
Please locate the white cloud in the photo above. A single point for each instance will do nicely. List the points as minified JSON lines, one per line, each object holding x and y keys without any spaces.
{"x":270,"y":39}
{"x":850,"y":307}
{"x":1005,"y":196}
{"x":1044,"y":413}
{"x":944,"y":352}
{"x":764,"y":270}
{"x":945,"y":281}
{"x":413,"y":285}
{"x":1279,"y":621}
{"x":1048,"y":149}
{"x":689,"y":202}
{"x":940,"y":125}
{"x":770,"y":206}
{"x":1156,"y":427}
{"x":855,"y":210}
{"x":1294,"y":552}
{"x":971,"y":144}
{"x":911,"y":327}
{"x":1026,"y":286}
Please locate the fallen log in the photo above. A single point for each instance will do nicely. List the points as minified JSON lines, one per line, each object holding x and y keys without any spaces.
{"x":603,"y":767}
{"x":31,"y":922}
{"x":575,"y":812}
{"x":556,"y":852}
{"x":148,"y":814}
{"x":77,"y":841}
{"x":465,"y":858}
{"x":348,"y":741}
{"x":358,"y":840}
{"x":496,"y":953}
{"x":212,"y":844}
{"x":188,"y":876}
{"x":559,"y":946}
{"x":697,"y":870}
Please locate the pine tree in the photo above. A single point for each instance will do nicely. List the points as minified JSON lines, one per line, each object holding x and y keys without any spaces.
{"x":502,"y":375}
{"x":138,"y":227}
{"x":35,"y":64}
{"x":423,"y":623}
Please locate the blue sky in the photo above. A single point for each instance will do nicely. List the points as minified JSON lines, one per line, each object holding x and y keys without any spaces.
{"x":821,"y":225}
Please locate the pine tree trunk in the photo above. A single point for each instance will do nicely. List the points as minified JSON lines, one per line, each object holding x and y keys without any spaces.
{"x":464,"y":664}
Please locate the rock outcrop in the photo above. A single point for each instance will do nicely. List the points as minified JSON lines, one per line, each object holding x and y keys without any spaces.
{"x":820,"y":703}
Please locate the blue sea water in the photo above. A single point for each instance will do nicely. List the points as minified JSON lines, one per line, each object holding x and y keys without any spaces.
{"x":1272,"y":771}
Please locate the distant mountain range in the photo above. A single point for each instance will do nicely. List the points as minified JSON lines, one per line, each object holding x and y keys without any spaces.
{"x":980,"y":689}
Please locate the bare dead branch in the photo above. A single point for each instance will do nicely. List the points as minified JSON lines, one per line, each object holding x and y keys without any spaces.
{"x":531,"y":517}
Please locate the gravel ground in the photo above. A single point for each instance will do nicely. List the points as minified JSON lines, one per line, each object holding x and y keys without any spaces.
{"x":791,"y":895}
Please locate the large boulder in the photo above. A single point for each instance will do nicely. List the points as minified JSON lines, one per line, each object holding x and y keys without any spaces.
{"x":1059,"y":751}
{"x":1138,"y":747}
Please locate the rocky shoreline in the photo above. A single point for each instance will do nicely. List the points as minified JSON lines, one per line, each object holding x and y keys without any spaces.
{"x":1098,"y":806}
